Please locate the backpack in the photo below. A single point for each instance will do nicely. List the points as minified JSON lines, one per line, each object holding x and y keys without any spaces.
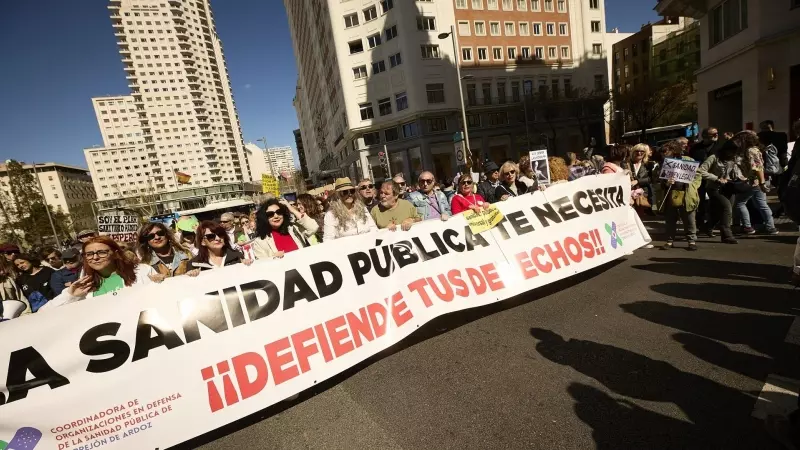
{"x":791,"y":195}
{"x":772,"y":165}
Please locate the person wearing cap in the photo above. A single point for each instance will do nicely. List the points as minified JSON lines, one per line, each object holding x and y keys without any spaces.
{"x":347,"y":215}
{"x":430,"y":203}
{"x":85,"y":235}
{"x":487,"y":188}
{"x":10,"y":251}
{"x":187,"y":226}
{"x":68,"y":273}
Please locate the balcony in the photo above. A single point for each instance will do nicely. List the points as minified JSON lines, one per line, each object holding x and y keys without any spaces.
{"x":129,"y":68}
{"x":684,"y":8}
{"x":134,"y":84}
{"x":491,"y":101}
{"x":114,"y":4}
{"x":117,"y":23}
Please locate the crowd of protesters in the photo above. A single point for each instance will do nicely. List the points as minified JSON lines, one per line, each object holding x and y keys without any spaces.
{"x":727,"y":194}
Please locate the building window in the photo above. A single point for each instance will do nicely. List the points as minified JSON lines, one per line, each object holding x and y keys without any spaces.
{"x":727,"y":19}
{"x":510,"y":29}
{"x":370,"y":13}
{"x":568,"y":87}
{"x":480,"y":28}
{"x":563,"y":29}
{"x":522,"y":5}
{"x":463,"y":28}
{"x":497,"y":53}
{"x":374,"y":40}
{"x":483,"y":53}
{"x":390,"y":33}
{"x":373,"y":138}
{"x":548,"y":5}
{"x":391,"y":134}
{"x":360,"y":72}
{"x":512,"y":53}
{"x":525,"y":52}
{"x":552,"y":52}
{"x":599,"y":85}
{"x":430,"y":52}
{"x":395,"y":60}
{"x":477,"y":4}
{"x":538,"y":52}
{"x":356,"y":46}
{"x":473,"y":120}
{"x":494,"y":28}
{"x":426,"y":23}
{"x":366,"y":111}
{"x":594,"y":4}
{"x":562,"y":6}
{"x":535,"y":5}
{"x":523,"y":29}
{"x":350,"y":20}
{"x":386,"y":5}
{"x":409,"y":129}
{"x":466,"y":54}
{"x":491,"y":4}
{"x":537,"y":28}
{"x":401,"y":101}
{"x":461,"y":4}
{"x":565,"y":52}
{"x":437,"y":124}
{"x":550,"y":28}
{"x":435,"y":92}
{"x":625,"y":53}
{"x":498,"y":118}
{"x":508,"y":5}
{"x":597,"y":49}
{"x":378,"y":67}
{"x":385,"y":106}
{"x":595,"y":26}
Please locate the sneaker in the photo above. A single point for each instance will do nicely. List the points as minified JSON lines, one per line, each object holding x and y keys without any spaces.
{"x":748,"y":230}
{"x":667,"y":246}
{"x":692,"y":247}
{"x":729,"y":240}
{"x":772,"y":232}
{"x":648,"y":246}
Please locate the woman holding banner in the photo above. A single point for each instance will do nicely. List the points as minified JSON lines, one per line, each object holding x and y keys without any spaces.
{"x":214,"y":248}
{"x":466,"y":199}
{"x":347,"y":215}
{"x":106,"y":270}
{"x":277,"y":234}
{"x":509,"y":185}
{"x":159,"y":248}
{"x":681,"y":200}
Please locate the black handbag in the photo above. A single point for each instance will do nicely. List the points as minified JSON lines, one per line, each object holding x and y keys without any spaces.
{"x":736,"y":187}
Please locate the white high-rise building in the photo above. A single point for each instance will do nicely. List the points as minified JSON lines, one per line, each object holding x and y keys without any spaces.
{"x":279,"y":160}
{"x":256,"y":161}
{"x":180,"y":114}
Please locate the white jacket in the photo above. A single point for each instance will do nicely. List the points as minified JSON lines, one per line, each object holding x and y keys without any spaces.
{"x":301,"y":230}
{"x":142,"y":277}
{"x":332,"y":231}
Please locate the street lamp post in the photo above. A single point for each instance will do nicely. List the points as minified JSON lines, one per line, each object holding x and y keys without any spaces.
{"x":454,"y":37}
{"x":266,"y":154}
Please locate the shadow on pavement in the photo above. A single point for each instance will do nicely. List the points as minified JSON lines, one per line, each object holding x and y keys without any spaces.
{"x":747,"y":364}
{"x":434,"y":328}
{"x":758,"y":298}
{"x":718,"y":416}
{"x":725,"y":270}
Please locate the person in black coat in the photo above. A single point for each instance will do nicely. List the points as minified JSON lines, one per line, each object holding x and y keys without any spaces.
{"x":510,"y":186}
{"x":487,"y":188}
{"x":214,"y":248}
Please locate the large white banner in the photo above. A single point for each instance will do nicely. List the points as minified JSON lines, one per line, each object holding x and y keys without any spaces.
{"x":159,"y":364}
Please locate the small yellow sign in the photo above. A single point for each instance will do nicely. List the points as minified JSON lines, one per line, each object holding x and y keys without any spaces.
{"x":487,"y":219}
{"x":269,"y":184}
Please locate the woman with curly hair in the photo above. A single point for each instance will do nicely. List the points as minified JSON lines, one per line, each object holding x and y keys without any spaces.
{"x":106,"y":270}
{"x":752,"y":167}
{"x":277,"y":234}
{"x":559,"y":172}
{"x":347,"y":215}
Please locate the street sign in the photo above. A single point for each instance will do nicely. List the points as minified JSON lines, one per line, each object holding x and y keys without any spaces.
{"x":461,"y":157}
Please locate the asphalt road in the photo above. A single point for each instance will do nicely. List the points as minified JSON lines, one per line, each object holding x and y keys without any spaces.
{"x":661,"y":350}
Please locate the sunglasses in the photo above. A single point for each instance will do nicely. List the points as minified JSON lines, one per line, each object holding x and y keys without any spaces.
{"x":403,"y":184}
{"x":510,"y":172}
{"x":364,"y":187}
{"x":347,"y":191}
{"x":159,"y":233}
{"x":425,"y":181}
{"x":465,"y":182}
{"x":70,"y":261}
{"x":224,"y":221}
{"x":269,"y":214}
{"x":211,"y":236}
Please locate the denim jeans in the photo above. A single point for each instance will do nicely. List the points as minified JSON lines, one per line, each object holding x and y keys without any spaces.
{"x":760,"y":200}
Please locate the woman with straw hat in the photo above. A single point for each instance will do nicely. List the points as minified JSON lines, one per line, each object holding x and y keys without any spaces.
{"x":347,"y":215}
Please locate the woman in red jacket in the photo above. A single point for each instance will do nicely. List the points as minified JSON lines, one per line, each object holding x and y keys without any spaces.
{"x":466,"y":199}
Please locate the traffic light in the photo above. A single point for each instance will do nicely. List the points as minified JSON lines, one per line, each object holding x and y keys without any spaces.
{"x":384,"y":162}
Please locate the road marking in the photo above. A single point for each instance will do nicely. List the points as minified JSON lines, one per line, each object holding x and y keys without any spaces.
{"x":778,"y":396}
{"x":793,"y":336}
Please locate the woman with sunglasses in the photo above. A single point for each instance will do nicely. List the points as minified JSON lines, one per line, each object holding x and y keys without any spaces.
{"x":159,"y":248}
{"x":214,"y":248}
{"x":347,"y":215}
{"x":509,"y":185}
{"x":106,"y":270}
{"x":466,"y":198}
{"x":277,"y":234}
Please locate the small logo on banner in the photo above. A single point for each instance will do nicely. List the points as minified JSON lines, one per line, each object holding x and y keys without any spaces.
{"x":612,"y":231}
{"x":26,"y":438}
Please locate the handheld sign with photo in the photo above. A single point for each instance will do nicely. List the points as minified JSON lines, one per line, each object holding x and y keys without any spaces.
{"x":680,"y":170}
{"x":540,"y":166}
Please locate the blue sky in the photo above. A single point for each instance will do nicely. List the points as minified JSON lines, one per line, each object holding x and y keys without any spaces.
{"x":57,"y":54}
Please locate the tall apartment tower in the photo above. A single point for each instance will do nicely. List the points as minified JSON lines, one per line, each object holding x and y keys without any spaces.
{"x":185,"y":117}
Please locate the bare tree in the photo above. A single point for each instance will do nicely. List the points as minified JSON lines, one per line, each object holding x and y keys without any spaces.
{"x":652,"y":104}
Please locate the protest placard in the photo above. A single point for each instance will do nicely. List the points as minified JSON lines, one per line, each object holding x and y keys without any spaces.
{"x":540,"y":166}
{"x":269,"y":184}
{"x":681,"y":170}
{"x":484,"y":220}
{"x":159,"y":364}
{"x":119,"y":227}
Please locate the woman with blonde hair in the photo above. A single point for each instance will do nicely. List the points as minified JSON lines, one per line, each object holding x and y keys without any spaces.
{"x":347,"y":215}
{"x":509,"y":185}
{"x":638,"y":161}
